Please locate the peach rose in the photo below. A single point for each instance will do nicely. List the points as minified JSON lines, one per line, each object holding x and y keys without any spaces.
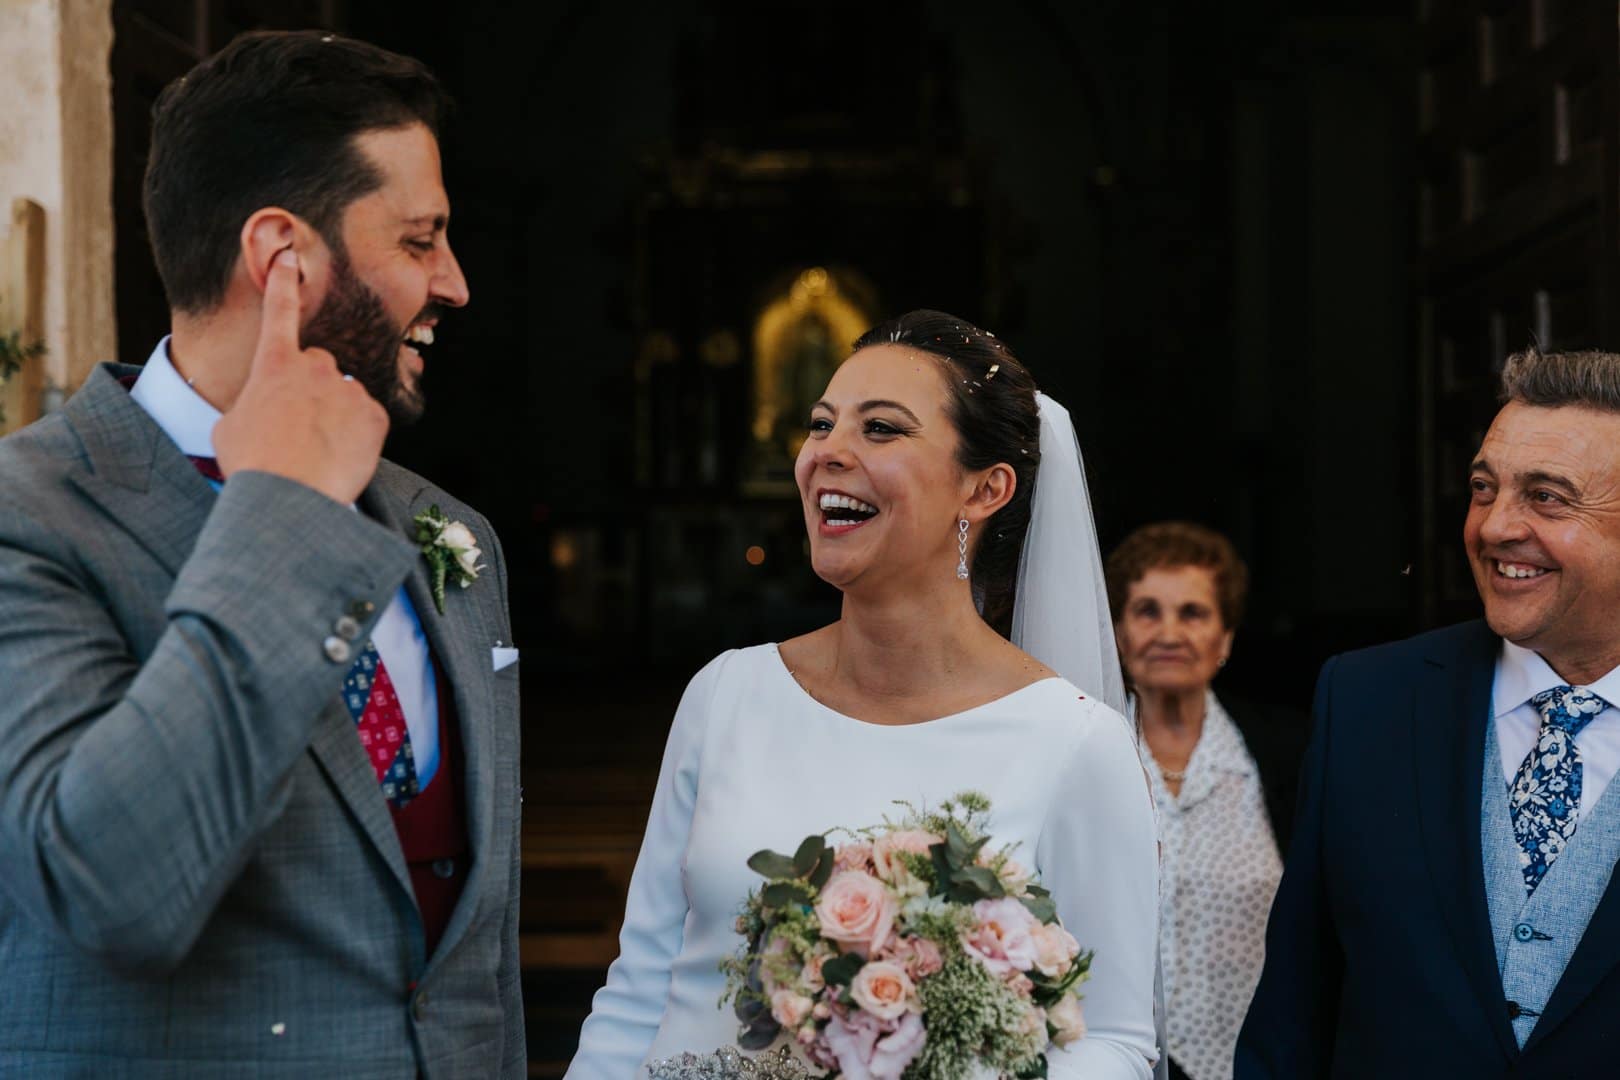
{"x":1055,"y":950}
{"x":883,"y":989}
{"x":919,"y":956}
{"x":790,"y":1009}
{"x":856,"y":911}
{"x":1002,"y":941}
{"x":1067,"y":1020}
{"x":855,"y":856}
{"x":910,"y":841}
{"x":1015,"y":876}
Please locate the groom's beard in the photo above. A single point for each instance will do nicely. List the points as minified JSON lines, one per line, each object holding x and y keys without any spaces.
{"x":354,"y":327}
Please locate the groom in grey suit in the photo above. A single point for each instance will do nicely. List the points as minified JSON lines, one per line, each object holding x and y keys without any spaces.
{"x":258,"y":775}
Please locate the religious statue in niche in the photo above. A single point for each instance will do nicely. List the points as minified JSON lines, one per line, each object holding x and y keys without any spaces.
{"x":800,"y":338}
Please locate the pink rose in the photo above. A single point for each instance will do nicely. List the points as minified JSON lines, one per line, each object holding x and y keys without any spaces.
{"x":1067,"y":1019}
{"x":883,"y":989}
{"x":910,"y":841}
{"x":810,"y":976}
{"x":1055,"y":950}
{"x":1002,"y":940}
{"x":1021,"y":984}
{"x":856,"y":911}
{"x":867,"y":1048}
{"x":855,"y":856}
{"x":790,"y":1009}
{"x":919,"y":956}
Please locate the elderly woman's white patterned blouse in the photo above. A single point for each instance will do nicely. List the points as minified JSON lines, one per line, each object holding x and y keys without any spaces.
{"x":1220,"y":871}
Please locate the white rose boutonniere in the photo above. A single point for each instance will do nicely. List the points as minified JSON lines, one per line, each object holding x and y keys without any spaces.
{"x":450,"y":549}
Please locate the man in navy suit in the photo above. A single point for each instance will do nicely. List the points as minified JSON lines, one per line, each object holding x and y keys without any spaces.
{"x":1446,"y":910}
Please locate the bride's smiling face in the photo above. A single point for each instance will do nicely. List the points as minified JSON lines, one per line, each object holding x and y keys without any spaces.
{"x":878,"y":474}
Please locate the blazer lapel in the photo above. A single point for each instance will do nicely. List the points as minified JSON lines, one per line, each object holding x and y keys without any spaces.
{"x":340,"y":755}
{"x":1453,"y":697}
{"x":134,"y":473}
{"x":461,"y":639}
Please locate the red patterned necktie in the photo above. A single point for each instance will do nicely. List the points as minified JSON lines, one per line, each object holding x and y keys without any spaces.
{"x":368,"y":693}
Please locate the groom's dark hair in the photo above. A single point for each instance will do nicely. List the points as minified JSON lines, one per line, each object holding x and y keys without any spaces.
{"x":270,"y":120}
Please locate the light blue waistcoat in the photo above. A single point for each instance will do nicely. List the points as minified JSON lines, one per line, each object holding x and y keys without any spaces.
{"x":1537,"y":934}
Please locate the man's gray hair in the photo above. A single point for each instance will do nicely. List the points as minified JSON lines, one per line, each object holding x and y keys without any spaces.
{"x":1553,"y":379}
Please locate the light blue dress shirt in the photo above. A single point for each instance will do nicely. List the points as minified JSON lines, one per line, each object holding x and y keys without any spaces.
{"x":1520,"y":675}
{"x":188,"y":420}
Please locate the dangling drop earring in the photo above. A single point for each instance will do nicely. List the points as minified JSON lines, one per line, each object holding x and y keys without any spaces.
{"x":961,"y":550}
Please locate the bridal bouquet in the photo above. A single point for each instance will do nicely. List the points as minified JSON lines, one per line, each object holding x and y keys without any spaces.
{"x":911,"y":951}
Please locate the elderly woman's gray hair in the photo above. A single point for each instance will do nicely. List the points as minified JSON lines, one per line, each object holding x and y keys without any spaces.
{"x":1553,"y":379}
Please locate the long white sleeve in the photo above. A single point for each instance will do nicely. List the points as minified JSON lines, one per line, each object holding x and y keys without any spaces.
{"x":1098,"y":854}
{"x":626,"y":1012}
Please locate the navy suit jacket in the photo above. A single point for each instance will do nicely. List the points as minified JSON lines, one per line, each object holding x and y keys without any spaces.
{"x":1379,"y":954}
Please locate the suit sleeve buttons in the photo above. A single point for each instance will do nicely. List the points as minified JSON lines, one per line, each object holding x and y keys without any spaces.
{"x":336,"y":649}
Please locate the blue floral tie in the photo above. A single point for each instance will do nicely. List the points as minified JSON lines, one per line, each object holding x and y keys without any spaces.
{"x":1546,"y":793}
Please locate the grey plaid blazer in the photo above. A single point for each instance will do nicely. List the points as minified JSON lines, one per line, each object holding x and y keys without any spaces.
{"x":198,"y":873}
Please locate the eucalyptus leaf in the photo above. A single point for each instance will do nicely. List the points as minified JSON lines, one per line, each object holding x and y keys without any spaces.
{"x":942,"y":869}
{"x":808,"y":855}
{"x":759,"y":1033}
{"x":841,"y":970}
{"x":823,"y":870}
{"x":1041,"y":907}
{"x":772,"y":865}
{"x":981,"y":878}
{"x":780,"y":894}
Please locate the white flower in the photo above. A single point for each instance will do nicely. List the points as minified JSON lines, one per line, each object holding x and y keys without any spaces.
{"x":457,"y":537}
{"x":450,"y":549}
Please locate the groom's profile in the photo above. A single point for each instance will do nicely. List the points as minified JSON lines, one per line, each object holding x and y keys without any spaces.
{"x":258,"y":774}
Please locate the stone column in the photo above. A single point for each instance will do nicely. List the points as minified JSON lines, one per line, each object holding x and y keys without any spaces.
{"x":56,"y":150}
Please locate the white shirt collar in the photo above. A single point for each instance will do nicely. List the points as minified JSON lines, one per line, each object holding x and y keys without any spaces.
{"x":1223,"y":739}
{"x":180,"y":411}
{"x":1521,"y":674}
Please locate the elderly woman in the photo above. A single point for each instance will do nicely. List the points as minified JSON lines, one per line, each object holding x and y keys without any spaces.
{"x":1223,"y":779}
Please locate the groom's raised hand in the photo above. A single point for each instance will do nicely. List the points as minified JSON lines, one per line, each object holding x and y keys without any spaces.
{"x":297,"y":415}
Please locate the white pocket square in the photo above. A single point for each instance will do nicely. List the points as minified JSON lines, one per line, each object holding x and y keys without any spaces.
{"x":504,"y":657}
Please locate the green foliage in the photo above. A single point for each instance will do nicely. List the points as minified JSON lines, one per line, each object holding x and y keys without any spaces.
{"x":1040,"y":904}
{"x":841,"y":970}
{"x":972,"y":1014}
{"x":957,"y":874}
{"x":13,"y":354}
{"x":797,"y":878}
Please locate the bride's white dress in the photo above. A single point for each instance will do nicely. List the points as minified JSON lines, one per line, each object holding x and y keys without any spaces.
{"x":755,"y":762}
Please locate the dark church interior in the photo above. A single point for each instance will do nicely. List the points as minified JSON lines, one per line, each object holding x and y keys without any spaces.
{"x":1271,"y":256}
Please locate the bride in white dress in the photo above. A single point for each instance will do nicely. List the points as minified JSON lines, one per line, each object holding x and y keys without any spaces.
{"x":917,"y":479}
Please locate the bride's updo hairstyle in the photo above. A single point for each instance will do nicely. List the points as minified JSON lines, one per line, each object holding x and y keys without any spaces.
{"x":992,"y":407}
